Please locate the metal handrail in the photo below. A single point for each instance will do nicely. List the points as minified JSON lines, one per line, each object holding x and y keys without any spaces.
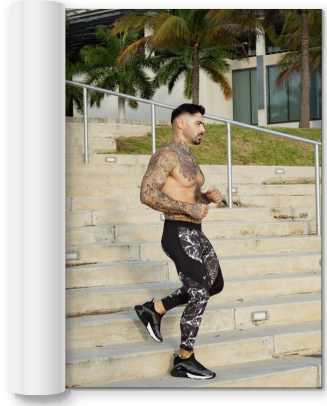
{"x":153,"y":103}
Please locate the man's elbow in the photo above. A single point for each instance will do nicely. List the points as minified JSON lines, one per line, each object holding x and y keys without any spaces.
{"x":144,"y":198}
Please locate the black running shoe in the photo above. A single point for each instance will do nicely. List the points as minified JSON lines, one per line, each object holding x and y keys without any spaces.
{"x":190,"y":368}
{"x":151,"y":319}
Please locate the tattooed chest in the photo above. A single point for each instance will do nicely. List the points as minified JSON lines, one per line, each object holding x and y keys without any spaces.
{"x":186,"y":169}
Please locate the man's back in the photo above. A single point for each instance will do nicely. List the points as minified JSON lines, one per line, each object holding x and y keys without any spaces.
{"x":172,"y":183}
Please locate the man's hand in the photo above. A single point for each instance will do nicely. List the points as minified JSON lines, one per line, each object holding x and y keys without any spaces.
{"x":214,"y":195}
{"x":199,"y":210}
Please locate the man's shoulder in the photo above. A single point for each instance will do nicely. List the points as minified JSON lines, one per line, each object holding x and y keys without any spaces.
{"x":164,"y":152}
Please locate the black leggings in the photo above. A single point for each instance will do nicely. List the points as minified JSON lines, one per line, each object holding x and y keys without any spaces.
{"x":199,"y":271}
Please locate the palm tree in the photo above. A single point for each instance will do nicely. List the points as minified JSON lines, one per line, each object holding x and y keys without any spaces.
{"x":74,"y":94}
{"x":305,"y":75}
{"x":301,"y":35}
{"x":98,"y":64}
{"x":197,"y":30}
{"x":170,"y":66}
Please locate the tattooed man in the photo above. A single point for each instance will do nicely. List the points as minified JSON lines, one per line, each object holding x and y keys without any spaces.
{"x":172,"y":184}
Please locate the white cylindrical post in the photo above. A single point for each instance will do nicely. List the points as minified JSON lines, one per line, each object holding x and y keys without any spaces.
{"x":317,"y":189}
{"x":229,"y":166}
{"x":86,"y":149}
{"x":153,"y":128}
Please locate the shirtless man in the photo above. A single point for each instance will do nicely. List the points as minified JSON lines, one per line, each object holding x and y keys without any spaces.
{"x":172,"y":184}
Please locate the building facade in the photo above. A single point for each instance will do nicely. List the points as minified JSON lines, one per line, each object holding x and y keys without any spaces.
{"x":254,"y":101}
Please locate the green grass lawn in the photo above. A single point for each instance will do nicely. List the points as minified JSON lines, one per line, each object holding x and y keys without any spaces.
{"x":248,"y":147}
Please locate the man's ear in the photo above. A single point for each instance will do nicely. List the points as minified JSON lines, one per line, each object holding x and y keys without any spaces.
{"x":180,"y":122}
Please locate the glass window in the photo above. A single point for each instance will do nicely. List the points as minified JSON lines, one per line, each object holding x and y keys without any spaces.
{"x":295,"y":97}
{"x":254,"y":97}
{"x":245,"y":98}
{"x":284,"y":105}
{"x":241,"y":96}
{"x":278,"y":99}
{"x":315,"y":96}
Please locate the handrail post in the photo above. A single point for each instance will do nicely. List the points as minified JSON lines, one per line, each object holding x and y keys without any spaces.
{"x":153,"y":128}
{"x":229,"y":167}
{"x":317,"y":188}
{"x":86,"y":149}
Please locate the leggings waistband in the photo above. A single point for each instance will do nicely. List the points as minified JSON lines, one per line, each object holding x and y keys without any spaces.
{"x":181,"y":223}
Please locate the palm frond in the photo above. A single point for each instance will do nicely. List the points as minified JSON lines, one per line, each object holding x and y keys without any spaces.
{"x":94,"y":56}
{"x":131,"y":49}
{"x":216,"y":58}
{"x":160,"y":59}
{"x":169,"y":27}
{"x":133,"y":104}
{"x":197,"y":20}
{"x":133,"y":22}
{"x":168,"y":69}
{"x":224,"y":36}
{"x":289,"y":58}
{"x":284,"y":77}
{"x":188,"y":84}
{"x":188,"y":56}
{"x":175,"y":76}
{"x":218,"y":77}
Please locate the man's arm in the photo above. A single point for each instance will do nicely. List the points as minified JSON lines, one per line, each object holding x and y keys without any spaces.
{"x":160,"y":165}
{"x":204,"y":199}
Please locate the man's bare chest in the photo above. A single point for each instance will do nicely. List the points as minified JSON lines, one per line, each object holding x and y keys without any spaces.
{"x":187,"y":171}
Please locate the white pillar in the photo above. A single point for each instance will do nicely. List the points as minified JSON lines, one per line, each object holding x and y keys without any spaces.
{"x":261,"y":80}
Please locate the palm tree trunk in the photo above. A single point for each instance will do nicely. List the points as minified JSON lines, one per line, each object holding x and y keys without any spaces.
{"x":305,"y":74}
{"x":121,"y":107}
{"x":196,"y":76}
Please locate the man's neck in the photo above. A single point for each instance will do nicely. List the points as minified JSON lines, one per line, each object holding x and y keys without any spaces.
{"x":181,"y":144}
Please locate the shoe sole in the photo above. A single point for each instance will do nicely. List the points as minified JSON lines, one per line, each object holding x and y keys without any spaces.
{"x":142,"y":316}
{"x":183,"y":374}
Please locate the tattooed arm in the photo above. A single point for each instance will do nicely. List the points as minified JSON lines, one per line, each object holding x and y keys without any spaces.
{"x":160,"y":165}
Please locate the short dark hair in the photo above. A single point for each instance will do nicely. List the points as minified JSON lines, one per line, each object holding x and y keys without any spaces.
{"x":187,"y":108}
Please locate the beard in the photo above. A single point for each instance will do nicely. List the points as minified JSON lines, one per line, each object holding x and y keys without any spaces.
{"x":197,"y":141}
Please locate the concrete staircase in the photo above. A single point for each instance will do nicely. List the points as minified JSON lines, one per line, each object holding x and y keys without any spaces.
{"x":270,"y":259}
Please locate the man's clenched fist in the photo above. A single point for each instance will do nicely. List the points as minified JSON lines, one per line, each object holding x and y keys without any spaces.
{"x":214,"y":195}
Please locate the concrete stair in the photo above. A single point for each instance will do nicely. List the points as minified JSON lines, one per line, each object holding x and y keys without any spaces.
{"x":242,"y":190}
{"x":151,"y":251}
{"x":278,"y":372}
{"x":129,"y":178}
{"x":135,"y":272}
{"x":110,"y":328}
{"x":76,"y":218}
{"x":134,"y":203}
{"x":97,"y":144}
{"x":111,"y":299}
{"x":268,"y":252}
{"x":142,"y":359}
{"x":153,"y":232}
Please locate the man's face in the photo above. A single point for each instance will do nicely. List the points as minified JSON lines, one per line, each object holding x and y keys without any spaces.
{"x":194,"y":128}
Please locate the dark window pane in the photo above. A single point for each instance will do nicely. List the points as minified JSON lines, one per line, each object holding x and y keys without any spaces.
{"x":278,"y":102}
{"x":315,"y":96}
{"x":241,"y":96}
{"x":254,"y":97}
{"x":295,"y":97}
{"x":267,"y":95}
